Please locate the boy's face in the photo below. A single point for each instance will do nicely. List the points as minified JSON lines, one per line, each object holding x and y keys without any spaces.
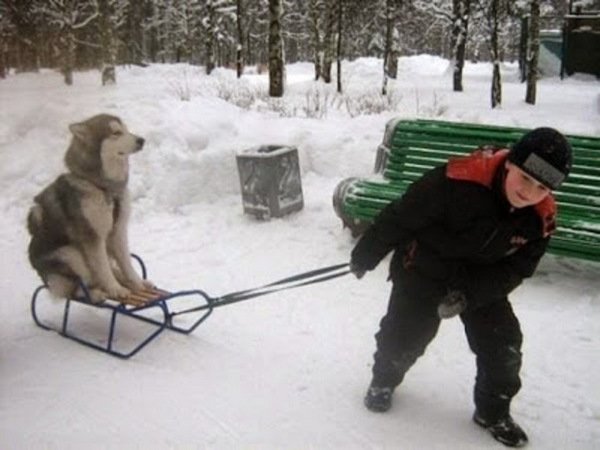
{"x":521,"y":189}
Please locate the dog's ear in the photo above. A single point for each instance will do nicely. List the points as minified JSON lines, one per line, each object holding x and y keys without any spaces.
{"x":80,"y":131}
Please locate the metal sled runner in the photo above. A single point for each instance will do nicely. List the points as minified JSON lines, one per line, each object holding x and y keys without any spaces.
{"x":147,"y":313}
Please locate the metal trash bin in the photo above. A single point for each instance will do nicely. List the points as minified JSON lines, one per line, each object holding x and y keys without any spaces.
{"x":270,"y":181}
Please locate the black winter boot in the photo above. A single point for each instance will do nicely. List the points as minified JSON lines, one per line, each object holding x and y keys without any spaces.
{"x":504,"y":430}
{"x":378,"y":399}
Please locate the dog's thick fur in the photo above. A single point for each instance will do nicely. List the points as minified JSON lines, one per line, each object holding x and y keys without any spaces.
{"x":78,"y":223}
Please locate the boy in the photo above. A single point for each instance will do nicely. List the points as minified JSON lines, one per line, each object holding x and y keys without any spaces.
{"x":464,"y":236}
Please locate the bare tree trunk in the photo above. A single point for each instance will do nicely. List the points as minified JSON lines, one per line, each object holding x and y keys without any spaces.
{"x":392,"y":64}
{"x":249,"y":55}
{"x":276,"y":63}
{"x":240,"y":46}
{"x":134,"y":37}
{"x":25,"y":45}
{"x":27,"y":56}
{"x":210,"y":38}
{"x":460,"y":30}
{"x":318,"y":50}
{"x":3,"y":59}
{"x":533,"y":51}
{"x":340,"y":14}
{"x":523,"y":39}
{"x":328,"y":41}
{"x":107,"y":40}
{"x":152,"y":34}
{"x":496,"y":86}
{"x":495,"y":50}
{"x":390,"y":57}
{"x":68,"y":56}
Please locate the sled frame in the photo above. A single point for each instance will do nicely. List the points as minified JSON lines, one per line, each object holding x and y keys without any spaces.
{"x":159,"y":305}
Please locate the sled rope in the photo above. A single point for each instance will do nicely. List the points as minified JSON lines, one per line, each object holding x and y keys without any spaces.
{"x":302,"y":279}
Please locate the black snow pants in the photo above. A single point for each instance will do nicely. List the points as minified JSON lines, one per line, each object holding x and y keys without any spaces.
{"x":411,"y":323}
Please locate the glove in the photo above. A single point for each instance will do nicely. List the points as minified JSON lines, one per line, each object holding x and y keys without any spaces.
{"x":357,"y":271}
{"x":453,"y":304}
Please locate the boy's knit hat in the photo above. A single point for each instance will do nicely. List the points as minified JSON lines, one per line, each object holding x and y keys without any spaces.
{"x":545,"y":154}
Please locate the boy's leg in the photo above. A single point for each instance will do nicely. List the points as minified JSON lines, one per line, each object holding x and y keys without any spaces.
{"x":411,"y":322}
{"x":495,"y":337}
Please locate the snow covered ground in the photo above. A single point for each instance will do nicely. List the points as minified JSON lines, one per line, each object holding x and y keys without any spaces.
{"x":289,"y":370}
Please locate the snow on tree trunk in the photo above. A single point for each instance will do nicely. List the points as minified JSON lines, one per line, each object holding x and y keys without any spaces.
{"x":390,"y":57}
{"x":68,"y":56}
{"x":107,"y":40}
{"x":533,"y":51}
{"x":318,"y":51}
{"x":276,"y":63}
{"x":460,"y":27}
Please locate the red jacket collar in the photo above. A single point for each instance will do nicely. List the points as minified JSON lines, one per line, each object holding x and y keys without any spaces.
{"x":480,"y":167}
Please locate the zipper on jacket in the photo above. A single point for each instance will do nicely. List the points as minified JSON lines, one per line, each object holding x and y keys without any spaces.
{"x":489,"y":239}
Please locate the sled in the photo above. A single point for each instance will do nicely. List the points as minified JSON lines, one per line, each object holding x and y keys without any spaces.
{"x":154,"y":309}
{"x":131,"y":323}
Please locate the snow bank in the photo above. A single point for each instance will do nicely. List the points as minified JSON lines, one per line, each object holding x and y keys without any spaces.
{"x":289,"y":370}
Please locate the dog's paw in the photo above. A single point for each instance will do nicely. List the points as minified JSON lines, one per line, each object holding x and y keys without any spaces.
{"x":140,"y":285}
{"x":97,"y":296}
{"x":91,"y":294}
{"x":117,"y":292}
{"x":148,"y":285}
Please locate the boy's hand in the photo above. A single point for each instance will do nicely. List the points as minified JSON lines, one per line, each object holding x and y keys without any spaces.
{"x":453,"y":304}
{"x":357,"y":271}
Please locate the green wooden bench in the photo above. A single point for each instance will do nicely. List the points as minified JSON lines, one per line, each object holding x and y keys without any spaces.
{"x":412,"y":147}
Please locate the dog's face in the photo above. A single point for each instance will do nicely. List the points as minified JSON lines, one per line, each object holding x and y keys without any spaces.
{"x":100,"y":150}
{"x":115,"y":150}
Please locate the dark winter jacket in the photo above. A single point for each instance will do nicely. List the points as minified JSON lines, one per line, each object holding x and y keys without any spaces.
{"x":455,"y":227}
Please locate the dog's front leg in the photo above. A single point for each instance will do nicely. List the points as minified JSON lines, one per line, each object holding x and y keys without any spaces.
{"x":118,"y":249}
{"x":127,"y":275}
{"x":94,"y":230}
{"x":96,"y":256}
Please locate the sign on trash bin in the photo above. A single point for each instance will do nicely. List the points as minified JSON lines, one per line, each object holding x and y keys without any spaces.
{"x":270,"y":180}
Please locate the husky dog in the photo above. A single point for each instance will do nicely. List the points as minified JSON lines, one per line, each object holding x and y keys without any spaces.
{"x":78,"y":223}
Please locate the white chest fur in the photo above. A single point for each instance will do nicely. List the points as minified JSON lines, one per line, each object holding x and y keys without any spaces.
{"x":99,"y":210}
